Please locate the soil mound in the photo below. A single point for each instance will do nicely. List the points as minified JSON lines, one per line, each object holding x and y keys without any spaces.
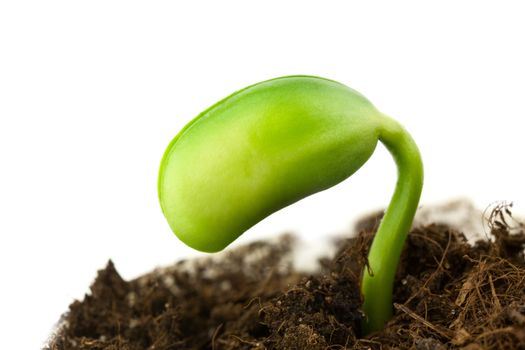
{"x":448,"y":295}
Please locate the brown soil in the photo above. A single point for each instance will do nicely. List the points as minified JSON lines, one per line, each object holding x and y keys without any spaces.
{"x":448,"y":295}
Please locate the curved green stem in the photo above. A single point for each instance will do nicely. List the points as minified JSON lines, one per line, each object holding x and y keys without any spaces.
{"x":383,"y":258}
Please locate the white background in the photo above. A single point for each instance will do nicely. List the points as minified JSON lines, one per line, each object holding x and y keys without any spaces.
{"x":92,"y":92}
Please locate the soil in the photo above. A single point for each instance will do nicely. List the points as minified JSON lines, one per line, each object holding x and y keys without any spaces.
{"x":448,"y":294}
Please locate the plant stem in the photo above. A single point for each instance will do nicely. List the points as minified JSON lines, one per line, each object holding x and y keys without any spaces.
{"x":383,"y":258}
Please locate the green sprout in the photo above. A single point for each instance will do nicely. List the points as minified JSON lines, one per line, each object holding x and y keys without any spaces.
{"x":274,"y":143}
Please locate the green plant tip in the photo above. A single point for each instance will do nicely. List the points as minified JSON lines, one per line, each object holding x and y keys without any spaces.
{"x":274,"y":143}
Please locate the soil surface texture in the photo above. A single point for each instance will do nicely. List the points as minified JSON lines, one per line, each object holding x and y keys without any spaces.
{"x":448,"y":294}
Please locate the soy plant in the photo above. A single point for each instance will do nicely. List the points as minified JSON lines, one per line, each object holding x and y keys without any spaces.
{"x":273,"y":143}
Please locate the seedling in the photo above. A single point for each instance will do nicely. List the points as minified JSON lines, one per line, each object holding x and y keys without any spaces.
{"x":274,"y":143}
